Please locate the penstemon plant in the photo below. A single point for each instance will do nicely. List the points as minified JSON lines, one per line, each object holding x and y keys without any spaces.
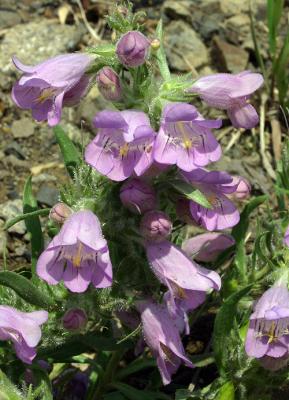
{"x":120,"y":274}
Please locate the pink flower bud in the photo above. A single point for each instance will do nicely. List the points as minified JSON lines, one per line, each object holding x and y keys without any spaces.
{"x":243,"y":188}
{"x":60,"y":212}
{"x":155,"y":226}
{"x":74,"y":319}
{"x":132,"y":49}
{"x":138,"y":196}
{"x":109,"y":84}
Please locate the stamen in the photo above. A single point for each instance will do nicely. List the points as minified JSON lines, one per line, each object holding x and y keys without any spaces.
{"x":123,"y":150}
{"x":45,"y":94}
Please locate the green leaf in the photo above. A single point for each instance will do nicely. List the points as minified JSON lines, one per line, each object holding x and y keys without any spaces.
{"x":21,"y":217}
{"x":7,"y":390}
{"x":71,"y":155}
{"x":190,"y":193}
{"x":224,"y":323}
{"x":132,"y":394}
{"x":32,"y":224}
{"x":134,"y":367}
{"x":77,"y":344}
{"x":227,"y":392}
{"x":161,"y":55}
{"x":105,"y":50}
{"x":239,"y":233}
{"x":274,"y":12}
{"x":25,"y":289}
{"x":280,"y":70}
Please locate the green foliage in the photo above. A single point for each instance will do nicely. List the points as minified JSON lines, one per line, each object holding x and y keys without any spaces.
{"x":274,"y":12}
{"x":190,"y":193}
{"x":70,"y":154}
{"x":25,"y":289}
{"x":32,"y":223}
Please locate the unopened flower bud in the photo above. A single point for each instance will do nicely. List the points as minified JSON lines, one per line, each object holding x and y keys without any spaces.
{"x":74,"y":319}
{"x":132,"y":49}
{"x":155,"y":44}
{"x":155,"y":226}
{"x":243,"y":188}
{"x":109,"y":84}
{"x":138,"y":196}
{"x":60,"y":212}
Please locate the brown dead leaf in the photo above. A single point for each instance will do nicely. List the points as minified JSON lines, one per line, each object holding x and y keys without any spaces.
{"x":276,"y":138}
{"x":63,"y":12}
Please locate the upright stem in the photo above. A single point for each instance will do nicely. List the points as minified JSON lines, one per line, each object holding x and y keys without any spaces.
{"x":108,"y":374}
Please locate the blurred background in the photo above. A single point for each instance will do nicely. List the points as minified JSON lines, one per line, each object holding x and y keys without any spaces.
{"x":201,"y":37}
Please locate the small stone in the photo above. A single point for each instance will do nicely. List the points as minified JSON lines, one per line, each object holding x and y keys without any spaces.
{"x":23,"y":128}
{"x":11,"y":209}
{"x":15,"y":149}
{"x":233,"y":7}
{"x":13,"y":161}
{"x":185,"y":48}
{"x":43,"y":178}
{"x":176,"y":9}
{"x":232,"y":58}
{"x":9,"y":18}
{"x":47,"y":195}
{"x":3,"y":238}
{"x":36,"y":42}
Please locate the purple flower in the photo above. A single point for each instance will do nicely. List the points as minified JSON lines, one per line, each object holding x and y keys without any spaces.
{"x":268,"y":333}
{"x":60,"y":212}
{"x":155,"y":226}
{"x":109,"y":84}
{"x":185,"y":138}
{"x":132,"y":49}
{"x":46,"y":87}
{"x":78,"y":255}
{"x":214,"y":185}
{"x":23,"y":329}
{"x":186,"y":280}
{"x":207,"y":246}
{"x":74,"y":319}
{"x":123,"y":145}
{"x":162,"y":337}
{"x":138,"y":196}
{"x":231,"y":92}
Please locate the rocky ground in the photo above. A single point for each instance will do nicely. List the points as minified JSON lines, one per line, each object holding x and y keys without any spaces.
{"x":202,"y":36}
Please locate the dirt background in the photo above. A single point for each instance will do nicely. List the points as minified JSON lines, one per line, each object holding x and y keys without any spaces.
{"x":201,"y":37}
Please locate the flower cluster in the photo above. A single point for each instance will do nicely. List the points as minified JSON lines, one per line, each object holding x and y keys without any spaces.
{"x":131,"y":148}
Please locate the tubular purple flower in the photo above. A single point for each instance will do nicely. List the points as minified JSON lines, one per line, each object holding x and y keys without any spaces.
{"x":123,"y":145}
{"x":78,"y":255}
{"x":155,"y":226}
{"x":231,"y":92}
{"x":214,"y":185}
{"x":138,"y":196}
{"x":74,"y":319}
{"x":207,"y":246}
{"x":268,"y":333}
{"x":108,"y":83}
{"x":46,"y":87}
{"x":185,"y":138}
{"x":187,"y":281}
{"x":60,"y":212}
{"x":23,"y":329}
{"x":162,"y":337}
{"x":132,"y":49}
